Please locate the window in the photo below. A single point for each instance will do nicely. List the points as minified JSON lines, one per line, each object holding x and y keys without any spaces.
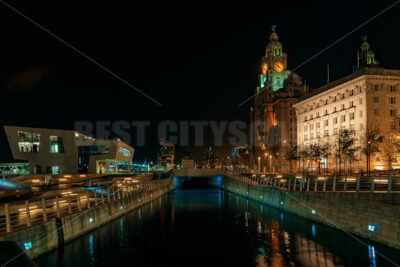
{"x":376,"y":112}
{"x":311,"y":117}
{"x":305,"y":128}
{"x":351,"y":92}
{"x":361,"y":101}
{"x":334,"y":109}
{"x":305,"y":118}
{"x":318,"y":134}
{"x":326,"y":102}
{"x":326,"y":112}
{"x":351,"y":104}
{"x":352,"y":128}
{"x":361,"y":126}
{"x":343,"y":118}
{"x":392,"y":88}
{"x":335,"y":131}
{"x":318,"y":124}
{"x":342,"y":106}
{"x":124,"y":152}
{"x":361,"y":113}
{"x":376,"y":87}
{"x":305,"y":137}
{"x":334,"y":99}
{"x":312,"y":126}
{"x":326,"y":133}
{"x":342,"y":96}
{"x":312,"y":135}
{"x":335,"y":120}
{"x":352,"y":116}
{"x":56,"y":144}
{"x":376,"y":99}
{"x":392,"y":100}
{"x":392,"y":113}
{"x":393,"y":125}
{"x":55,"y":169}
{"x":317,"y":115}
{"x":28,"y":141}
{"x":326,"y":123}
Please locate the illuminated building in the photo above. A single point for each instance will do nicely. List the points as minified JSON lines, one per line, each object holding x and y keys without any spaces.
{"x":241,"y":157}
{"x":210,"y":157}
{"x":273,"y":129}
{"x":51,"y":151}
{"x":370,"y":95}
{"x":167,"y":154}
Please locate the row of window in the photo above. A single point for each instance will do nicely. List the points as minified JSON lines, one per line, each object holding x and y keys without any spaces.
{"x":334,"y":109}
{"x":326,"y":132}
{"x":334,"y":120}
{"x":392,"y":112}
{"x":30,"y":142}
{"x":392,"y":100}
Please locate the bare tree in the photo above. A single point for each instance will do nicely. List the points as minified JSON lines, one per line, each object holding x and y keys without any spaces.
{"x":292,"y":155}
{"x":370,"y":142}
{"x":345,"y":146}
{"x":303,"y":155}
{"x":390,"y":148}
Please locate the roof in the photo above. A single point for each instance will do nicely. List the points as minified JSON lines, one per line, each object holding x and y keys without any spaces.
{"x":359,"y":73}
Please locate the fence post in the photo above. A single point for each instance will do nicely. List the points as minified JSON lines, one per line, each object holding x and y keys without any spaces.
{"x":8,"y":221}
{"x":118,"y":193}
{"x":58,"y":207}
{"x":345,"y":183}
{"x":108,"y":196}
{"x":324,"y":186}
{"x":358,"y":182}
{"x":389,"y":186}
{"x":44,"y":210}
{"x":294,"y":184}
{"x":95,"y":198}
{"x":301,"y":184}
{"x":102,"y":196}
{"x":308,"y":183}
{"x":316,"y":185}
{"x":69,"y":204}
{"x":79,"y":202}
{"x":113,"y":193}
{"x":373,"y":183}
{"x":334,"y":184}
{"x":28,"y":214}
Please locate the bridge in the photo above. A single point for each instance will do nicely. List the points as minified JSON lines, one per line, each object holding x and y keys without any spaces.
{"x":197,"y":172}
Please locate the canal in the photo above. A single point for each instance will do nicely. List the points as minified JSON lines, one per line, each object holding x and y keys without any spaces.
{"x":211,"y":227}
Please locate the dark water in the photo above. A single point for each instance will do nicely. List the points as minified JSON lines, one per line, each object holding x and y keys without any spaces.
{"x":210,"y":227}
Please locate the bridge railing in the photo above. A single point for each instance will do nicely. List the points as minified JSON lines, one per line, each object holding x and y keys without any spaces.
{"x":21,"y":214}
{"x":377,"y":182}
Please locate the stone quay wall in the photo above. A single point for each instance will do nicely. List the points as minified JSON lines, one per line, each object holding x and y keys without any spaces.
{"x":48,"y":236}
{"x":357,"y":213}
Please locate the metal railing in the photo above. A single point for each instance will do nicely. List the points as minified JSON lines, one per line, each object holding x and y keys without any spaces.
{"x":18,"y":215}
{"x":378,"y":182}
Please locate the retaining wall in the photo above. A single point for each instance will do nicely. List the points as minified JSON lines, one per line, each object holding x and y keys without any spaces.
{"x":48,"y":236}
{"x":353,"y":212}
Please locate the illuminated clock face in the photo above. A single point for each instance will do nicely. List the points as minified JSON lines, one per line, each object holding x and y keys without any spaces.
{"x":264,"y":69}
{"x":278,"y":66}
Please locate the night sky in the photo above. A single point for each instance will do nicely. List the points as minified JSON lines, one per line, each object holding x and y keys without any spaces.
{"x":200,"y":60}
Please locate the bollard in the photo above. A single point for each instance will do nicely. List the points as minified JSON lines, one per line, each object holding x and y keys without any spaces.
{"x":28,"y":214}
{"x":69,"y":204}
{"x":373,"y":183}
{"x":88,"y":201}
{"x":78,"y":200}
{"x":58,"y":207}
{"x":44,"y":210}
{"x":334,"y":184}
{"x":316,"y":185}
{"x":358,"y":182}
{"x":8,"y":221}
{"x":389,"y":186}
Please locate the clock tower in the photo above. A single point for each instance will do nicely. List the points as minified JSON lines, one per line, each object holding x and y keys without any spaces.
{"x":273,"y":65}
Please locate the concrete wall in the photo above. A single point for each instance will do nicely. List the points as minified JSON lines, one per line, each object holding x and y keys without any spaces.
{"x":50,"y":235}
{"x":352,"y":212}
{"x":197,"y":172}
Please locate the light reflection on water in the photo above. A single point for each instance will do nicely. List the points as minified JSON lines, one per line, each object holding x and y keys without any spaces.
{"x":200,"y":227}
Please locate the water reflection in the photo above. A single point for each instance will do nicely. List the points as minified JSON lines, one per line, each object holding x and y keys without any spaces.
{"x":213,"y":227}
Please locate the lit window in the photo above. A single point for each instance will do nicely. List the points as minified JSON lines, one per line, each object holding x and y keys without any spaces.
{"x":56,"y":144}
{"x":392,"y":100}
{"x":392,"y":113}
{"x":28,"y":141}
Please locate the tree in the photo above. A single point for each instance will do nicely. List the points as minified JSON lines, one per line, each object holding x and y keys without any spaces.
{"x":317,"y":151}
{"x":345,"y":146}
{"x":390,"y":148}
{"x":303,"y":155}
{"x":369,"y":142}
{"x":292,"y":155}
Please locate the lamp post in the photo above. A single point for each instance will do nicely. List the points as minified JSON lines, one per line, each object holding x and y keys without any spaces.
{"x":265,"y":160}
{"x":270,"y":163}
{"x":259,"y":158}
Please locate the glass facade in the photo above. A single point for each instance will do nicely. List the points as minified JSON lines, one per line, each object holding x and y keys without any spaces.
{"x":56,"y":144}
{"x":84,"y":153}
{"x":124,"y":152}
{"x":28,"y":141}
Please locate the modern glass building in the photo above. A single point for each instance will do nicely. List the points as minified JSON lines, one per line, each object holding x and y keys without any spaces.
{"x":51,"y":151}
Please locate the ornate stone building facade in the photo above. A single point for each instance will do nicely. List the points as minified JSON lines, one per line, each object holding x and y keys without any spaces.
{"x":369,"y":96}
{"x":273,"y":120}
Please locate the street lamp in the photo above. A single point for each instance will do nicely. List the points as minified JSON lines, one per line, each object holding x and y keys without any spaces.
{"x":270,"y":163}
{"x":265,"y":160}
{"x":259,"y":158}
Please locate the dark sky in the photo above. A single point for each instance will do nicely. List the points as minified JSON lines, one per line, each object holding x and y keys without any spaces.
{"x":200,"y":60}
